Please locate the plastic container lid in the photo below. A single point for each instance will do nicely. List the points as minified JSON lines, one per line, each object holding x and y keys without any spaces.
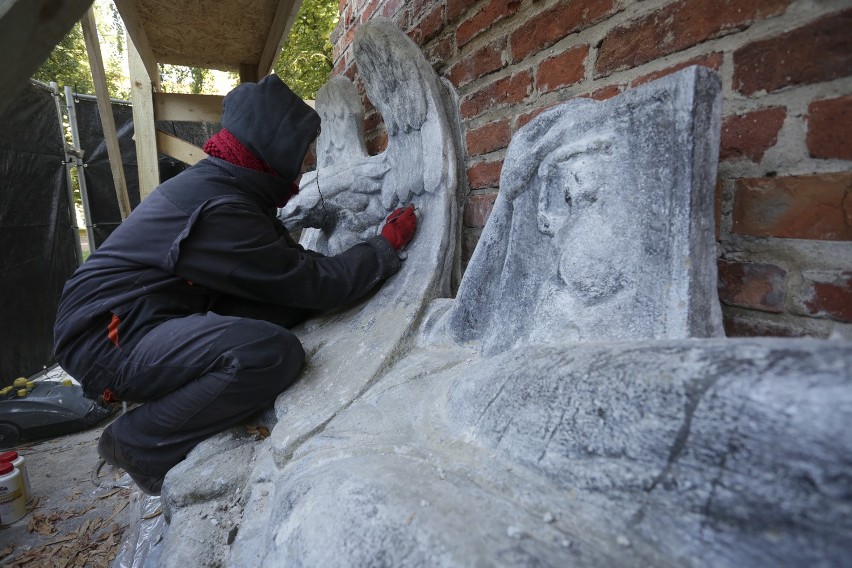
{"x":9,"y":456}
{"x":6,"y":467}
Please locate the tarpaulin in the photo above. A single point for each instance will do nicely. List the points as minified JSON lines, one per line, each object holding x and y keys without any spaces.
{"x":37,"y":241}
{"x":103,"y":202}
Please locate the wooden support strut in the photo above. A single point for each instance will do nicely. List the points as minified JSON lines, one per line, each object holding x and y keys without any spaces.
{"x":141,"y":92}
{"x":96,"y":63}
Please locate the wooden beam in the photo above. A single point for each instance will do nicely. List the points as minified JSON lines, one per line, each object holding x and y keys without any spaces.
{"x":285,"y":15}
{"x":96,"y":63}
{"x":29,"y":30}
{"x":197,"y":108}
{"x":141,"y":91}
{"x":180,"y":149}
{"x":130,"y":15}
{"x":248,"y":73}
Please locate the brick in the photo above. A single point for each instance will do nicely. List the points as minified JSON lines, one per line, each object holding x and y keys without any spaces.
{"x":828,"y":294}
{"x":420,"y":8}
{"x":736,"y":326}
{"x":750,"y":135}
{"x":339,"y":67}
{"x":432,"y":24}
{"x":470,"y":238}
{"x":483,"y":61}
{"x":481,"y":175}
{"x":378,"y":143}
{"x":369,"y":10}
{"x":799,"y":207}
{"x":487,"y":138}
{"x":753,"y":285}
{"x":477,"y":210}
{"x":553,"y":24}
{"x":527,"y":117}
{"x":336,"y":32}
{"x":678,"y":26}
{"x":562,"y":70}
{"x":820,"y":51}
{"x":830,"y":128}
{"x":717,"y":206}
{"x":372,"y":121}
{"x":487,"y":16}
{"x":456,"y":8}
{"x":508,"y":90}
{"x":348,"y":37}
{"x":348,"y":16}
{"x":711,"y":60}
{"x":392,"y":8}
{"x":604,"y":93}
{"x":439,"y":52}
{"x":351,"y":72}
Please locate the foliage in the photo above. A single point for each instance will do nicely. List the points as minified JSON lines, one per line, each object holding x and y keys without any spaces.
{"x":305,"y":62}
{"x":180,"y":79}
{"x":68,"y":64}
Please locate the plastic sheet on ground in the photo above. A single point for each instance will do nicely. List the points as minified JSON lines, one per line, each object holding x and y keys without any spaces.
{"x":142,"y":539}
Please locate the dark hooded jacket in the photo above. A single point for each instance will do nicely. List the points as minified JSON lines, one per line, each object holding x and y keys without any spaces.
{"x":211,"y":233}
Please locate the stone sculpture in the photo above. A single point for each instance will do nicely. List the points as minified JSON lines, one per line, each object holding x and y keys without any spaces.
{"x":573,"y":406}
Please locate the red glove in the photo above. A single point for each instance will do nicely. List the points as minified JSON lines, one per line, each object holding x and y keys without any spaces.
{"x":400,"y":227}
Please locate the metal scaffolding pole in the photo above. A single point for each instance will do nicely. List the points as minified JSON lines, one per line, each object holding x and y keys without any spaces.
{"x":77,"y":157}
{"x":54,"y":91}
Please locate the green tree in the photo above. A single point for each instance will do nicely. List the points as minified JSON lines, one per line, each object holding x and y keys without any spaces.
{"x":68,"y":64}
{"x":305,"y":62}
{"x":181,"y":79}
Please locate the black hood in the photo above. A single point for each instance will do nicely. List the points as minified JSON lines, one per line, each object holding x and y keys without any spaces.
{"x":273,"y":122}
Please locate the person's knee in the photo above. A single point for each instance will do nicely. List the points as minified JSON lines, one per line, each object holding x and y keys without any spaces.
{"x":264,"y":350}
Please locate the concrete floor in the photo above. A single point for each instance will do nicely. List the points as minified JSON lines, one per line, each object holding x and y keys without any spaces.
{"x":79,"y":517}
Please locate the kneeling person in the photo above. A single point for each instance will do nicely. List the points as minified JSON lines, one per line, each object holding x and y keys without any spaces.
{"x":186,"y":306}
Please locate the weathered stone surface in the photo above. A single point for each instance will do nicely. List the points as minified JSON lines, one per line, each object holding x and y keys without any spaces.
{"x":507,"y":427}
{"x":603,"y":228}
{"x":710,"y":452}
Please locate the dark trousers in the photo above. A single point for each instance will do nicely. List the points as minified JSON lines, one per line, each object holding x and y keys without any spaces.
{"x":196,"y":375}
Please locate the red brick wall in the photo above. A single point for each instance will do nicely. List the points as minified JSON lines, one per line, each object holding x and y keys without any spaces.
{"x":784,"y":209}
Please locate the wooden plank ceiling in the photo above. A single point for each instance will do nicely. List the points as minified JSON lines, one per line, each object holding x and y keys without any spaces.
{"x":230,"y":35}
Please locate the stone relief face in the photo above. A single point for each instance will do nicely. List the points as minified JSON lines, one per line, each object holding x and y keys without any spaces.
{"x":569,"y":181}
{"x":596,"y":200}
{"x":576,"y":200}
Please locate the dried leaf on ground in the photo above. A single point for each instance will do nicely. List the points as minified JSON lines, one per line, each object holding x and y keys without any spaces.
{"x":74,"y":496}
{"x":77,"y":550}
{"x":261,"y":431}
{"x":152,"y":515}
{"x":119,"y":507}
{"x":42,"y":524}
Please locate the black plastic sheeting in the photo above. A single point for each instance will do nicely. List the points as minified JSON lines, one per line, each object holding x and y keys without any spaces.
{"x":103,"y":203}
{"x":37,"y":248}
{"x":100,"y":187}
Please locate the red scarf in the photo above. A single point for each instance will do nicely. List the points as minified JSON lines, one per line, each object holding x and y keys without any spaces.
{"x":225,"y":146}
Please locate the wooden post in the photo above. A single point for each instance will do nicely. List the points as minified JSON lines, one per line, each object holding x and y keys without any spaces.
{"x":248,"y":73}
{"x":93,"y":48}
{"x":141,"y":95}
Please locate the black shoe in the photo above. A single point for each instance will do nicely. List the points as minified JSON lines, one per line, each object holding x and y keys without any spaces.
{"x":110,"y":451}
